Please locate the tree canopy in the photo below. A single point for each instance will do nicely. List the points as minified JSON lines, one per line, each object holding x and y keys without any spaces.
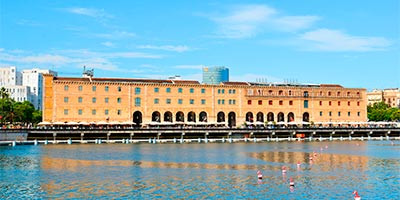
{"x":383,"y":112}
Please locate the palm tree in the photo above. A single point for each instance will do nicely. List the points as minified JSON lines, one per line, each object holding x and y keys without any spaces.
{"x":3,"y":93}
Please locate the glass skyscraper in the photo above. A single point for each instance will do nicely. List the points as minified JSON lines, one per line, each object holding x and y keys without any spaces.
{"x":215,"y":75}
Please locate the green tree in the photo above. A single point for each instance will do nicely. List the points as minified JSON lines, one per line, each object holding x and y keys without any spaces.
{"x":382,"y":112}
{"x":36,"y":116}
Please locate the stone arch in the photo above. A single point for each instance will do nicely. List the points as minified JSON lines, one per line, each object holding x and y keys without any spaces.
{"x":221,"y":117}
{"x":232,"y":119}
{"x":306,"y":117}
{"x":290,"y":117}
{"x":203,"y":116}
{"x":249,"y":117}
{"x":137,"y":118}
{"x":191,"y":117}
{"x":270,"y":117}
{"x":167,"y":116}
{"x":260,"y":117}
{"x":156,"y":116}
{"x":281,"y":117}
{"x":180,"y":117}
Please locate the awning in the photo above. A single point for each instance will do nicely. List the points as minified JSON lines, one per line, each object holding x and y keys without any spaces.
{"x":44,"y":123}
{"x":73,"y":123}
{"x":58,"y":123}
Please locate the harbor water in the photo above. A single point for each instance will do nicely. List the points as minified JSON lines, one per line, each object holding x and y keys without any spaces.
{"x":201,"y":171}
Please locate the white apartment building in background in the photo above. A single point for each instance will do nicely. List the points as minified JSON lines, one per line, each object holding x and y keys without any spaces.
{"x":33,"y":78}
{"x":19,"y":93}
{"x":10,"y":76}
{"x":25,"y":86}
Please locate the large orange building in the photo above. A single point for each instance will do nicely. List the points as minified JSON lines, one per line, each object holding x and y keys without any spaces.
{"x":146,"y":101}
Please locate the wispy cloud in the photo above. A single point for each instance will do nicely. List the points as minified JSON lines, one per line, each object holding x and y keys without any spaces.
{"x":107,"y":44}
{"x":249,"y":20}
{"x":189,"y":66}
{"x":178,"y":48}
{"x":27,"y":22}
{"x":77,"y":58}
{"x":115,"y":35}
{"x":336,"y":40}
{"x":90,"y":12}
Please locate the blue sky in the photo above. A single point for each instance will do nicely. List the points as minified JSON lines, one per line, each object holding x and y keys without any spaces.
{"x":352,"y":43}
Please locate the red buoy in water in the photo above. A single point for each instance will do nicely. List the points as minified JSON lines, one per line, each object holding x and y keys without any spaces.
{"x":356,"y":196}
{"x":259,"y":174}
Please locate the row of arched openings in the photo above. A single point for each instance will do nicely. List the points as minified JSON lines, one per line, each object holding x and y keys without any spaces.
{"x":191,"y":117}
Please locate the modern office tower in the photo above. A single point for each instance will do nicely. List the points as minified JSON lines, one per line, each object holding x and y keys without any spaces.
{"x":215,"y":75}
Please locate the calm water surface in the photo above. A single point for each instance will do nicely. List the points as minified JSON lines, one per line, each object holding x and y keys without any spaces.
{"x":201,"y":171}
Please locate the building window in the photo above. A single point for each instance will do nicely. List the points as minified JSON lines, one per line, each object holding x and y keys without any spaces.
{"x":305,"y":93}
{"x":106,"y":112}
{"x":203,"y":91}
{"x":290,"y":92}
{"x":230,"y":101}
{"x":290,"y":103}
{"x":230,"y":91}
{"x":94,"y":100}
{"x":270,"y":102}
{"x":248,"y":102}
{"x":280,"y":102}
{"x":329,"y":93}
{"x":270,"y":92}
{"x":280,"y":92}
{"x":219,"y":91}
{"x":118,"y":112}
{"x":191,"y":90}
{"x":358,"y":93}
{"x":79,"y":99}
{"x":320,"y":93}
{"x":203,"y":101}
{"x":358,"y":114}
{"x":66,"y":87}
{"x":233,"y":91}
{"x":223,"y":101}
{"x":338,"y":113}
{"x":358,"y":103}
{"x":156,"y":90}
{"x":93,"y":112}
{"x":223,"y":91}
{"x":137,"y":90}
{"x":106,"y":100}
{"x":168,"y":90}
{"x":259,"y":102}
{"x":305,"y":103}
{"x":80,"y":112}
{"x":348,"y":94}
{"x":119,"y":89}
{"x":80,"y":88}
{"x":320,"y":113}
{"x":66,"y":99}
{"x":338,"y":94}
{"x":137,"y":101}
{"x":156,"y":101}
{"x":94,"y":88}
{"x":180,"y":101}
{"x":338,"y":103}
{"x":348,"y":103}
{"x":233,"y":101}
{"x":191,"y":101}
{"x":330,"y":113}
{"x":168,"y":101}
{"x":106,"y":88}
{"x":219,"y":101}
{"x":65,"y":111}
{"x":118,"y":100}
{"x":348,"y":114}
{"x":180,"y":90}
{"x":320,"y":103}
{"x":330,"y":103}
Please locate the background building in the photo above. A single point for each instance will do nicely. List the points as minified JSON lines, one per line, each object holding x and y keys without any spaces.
{"x":10,"y":76}
{"x":390,"y":96}
{"x":34,"y":79}
{"x":215,"y":75}
{"x":19,"y":93}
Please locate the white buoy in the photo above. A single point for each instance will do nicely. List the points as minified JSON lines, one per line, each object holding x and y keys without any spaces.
{"x":35,"y":142}
{"x":13,"y":143}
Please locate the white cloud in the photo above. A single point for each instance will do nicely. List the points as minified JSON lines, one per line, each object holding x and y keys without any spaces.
{"x":335,"y":40}
{"x":178,"y":48}
{"x":90,"y":12}
{"x":107,"y":44}
{"x":189,"y":66}
{"x":249,"y":20}
{"x":114,"y":35}
{"x":78,"y":58}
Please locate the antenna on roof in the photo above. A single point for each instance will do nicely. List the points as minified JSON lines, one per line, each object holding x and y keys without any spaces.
{"x":87,"y":73}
